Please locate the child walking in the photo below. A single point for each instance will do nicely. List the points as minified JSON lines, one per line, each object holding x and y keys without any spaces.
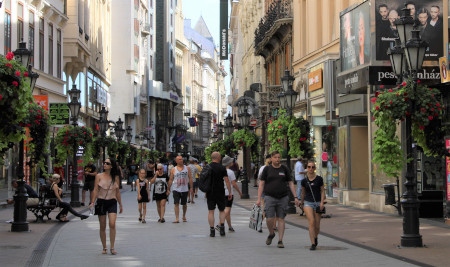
{"x":143,"y":190}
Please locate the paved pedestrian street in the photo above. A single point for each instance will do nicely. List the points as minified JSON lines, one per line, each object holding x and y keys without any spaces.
{"x":188,"y":244}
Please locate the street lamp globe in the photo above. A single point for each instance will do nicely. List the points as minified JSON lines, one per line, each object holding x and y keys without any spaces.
{"x":74,"y":104}
{"x":229,"y":125}
{"x":103,"y":121}
{"x":396,"y":55}
{"x":129,"y":135}
{"x":120,"y":131}
{"x":415,"y":51}
{"x":22,"y":54}
{"x":404,"y":24}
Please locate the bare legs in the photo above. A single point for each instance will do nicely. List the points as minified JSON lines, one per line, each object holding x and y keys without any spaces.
{"x":142,"y":210}
{"x":313,"y":223}
{"x":112,"y":230}
{"x":211,"y":217}
{"x":161,"y":208}
{"x":228,"y":216}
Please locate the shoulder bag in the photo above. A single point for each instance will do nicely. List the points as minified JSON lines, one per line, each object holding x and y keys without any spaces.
{"x":318,"y":210}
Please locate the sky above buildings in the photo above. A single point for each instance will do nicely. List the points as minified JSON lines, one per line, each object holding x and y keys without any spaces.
{"x":210,"y":11}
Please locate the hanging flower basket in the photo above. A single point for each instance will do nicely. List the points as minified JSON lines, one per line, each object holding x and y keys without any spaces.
{"x":299,"y":139}
{"x":15,"y":96}
{"x":37,"y":122}
{"x":109,"y":143}
{"x":393,"y":106}
{"x":69,"y":138}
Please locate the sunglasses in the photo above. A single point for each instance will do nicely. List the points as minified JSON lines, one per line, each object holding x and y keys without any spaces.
{"x":311,"y":167}
{"x":107,"y":163}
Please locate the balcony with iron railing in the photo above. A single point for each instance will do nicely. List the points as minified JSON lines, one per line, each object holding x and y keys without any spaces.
{"x":277,"y":22}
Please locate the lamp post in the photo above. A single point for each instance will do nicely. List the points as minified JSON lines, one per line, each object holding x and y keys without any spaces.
{"x":129,"y":134}
{"x":119,"y":130}
{"x":414,"y":50}
{"x":229,"y":128}
{"x":104,"y":125}
{"x":287,"y":100}
{"x":142,"y":142}
{"x":244,"y":120}
{"x":220,"y":131}
{"x":74,"y":106}
{"x":20,"y":224}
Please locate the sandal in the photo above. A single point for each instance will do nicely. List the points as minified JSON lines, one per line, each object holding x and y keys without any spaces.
{"x":113,"y":251}
{"x":143,"y":221}
{"x":105,"y":251}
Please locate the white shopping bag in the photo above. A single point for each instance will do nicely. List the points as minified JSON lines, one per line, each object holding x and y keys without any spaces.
{"x":256,"y":218}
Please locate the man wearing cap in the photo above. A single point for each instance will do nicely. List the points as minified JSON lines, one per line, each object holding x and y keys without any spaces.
{"x":216,"y":197}
{"x":227,"y":162}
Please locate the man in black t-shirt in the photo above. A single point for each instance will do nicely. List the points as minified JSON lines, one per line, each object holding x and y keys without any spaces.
{"x":89,"y":180}
{"x":276,"y":196}
{"x":217,"y":195}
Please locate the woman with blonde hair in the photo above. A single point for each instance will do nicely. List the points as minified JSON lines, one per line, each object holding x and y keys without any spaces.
{"x":55,"y":196}
{"x":107,"y":194}
{"x":160,"y":192}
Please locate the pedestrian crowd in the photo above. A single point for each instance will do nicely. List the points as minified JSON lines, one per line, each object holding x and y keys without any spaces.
{"x":156,"y":181}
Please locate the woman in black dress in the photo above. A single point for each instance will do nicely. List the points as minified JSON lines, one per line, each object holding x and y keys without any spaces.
{"x":143,"y":190}
{"x":160,"y":192}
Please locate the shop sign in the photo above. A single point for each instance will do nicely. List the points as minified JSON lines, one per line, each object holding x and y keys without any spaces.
{"x":315,"y":80}
{"x":59,"y":113}
{"x":354,"y":82}
{"x":383,"y":75}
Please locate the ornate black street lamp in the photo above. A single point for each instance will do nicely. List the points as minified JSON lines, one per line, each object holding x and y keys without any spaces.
{"x":74,"y":106}
{"x":287,"y":100}
{"x":414,"y":50}
{"x":20,"y":224}
{"x":129,"y":134}
{"x":229,"y":128}
{"x":220,"y":132}
{"x":104,"y":125}
{"x":244,"y":119}
{"x":119,"y":130}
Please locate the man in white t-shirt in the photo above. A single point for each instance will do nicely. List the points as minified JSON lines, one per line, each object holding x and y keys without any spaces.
{"x":227,"y":162}
{"x":299,"y":176}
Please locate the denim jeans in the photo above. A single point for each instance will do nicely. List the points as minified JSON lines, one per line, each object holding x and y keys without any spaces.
{"x":299,"y":189}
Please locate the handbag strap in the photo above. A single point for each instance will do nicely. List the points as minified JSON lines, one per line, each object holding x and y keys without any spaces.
{"x":312,"y":193}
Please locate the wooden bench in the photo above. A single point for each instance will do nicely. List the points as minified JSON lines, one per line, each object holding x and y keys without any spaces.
{"x":43,"y":208}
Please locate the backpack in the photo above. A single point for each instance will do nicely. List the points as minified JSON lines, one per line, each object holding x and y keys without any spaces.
{"x":205,"y":179}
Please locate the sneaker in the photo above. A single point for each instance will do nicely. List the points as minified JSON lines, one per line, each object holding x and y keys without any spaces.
{"x":212,"y":232}
{"x":313,"y":247}
{"x":82,"y":203}
{"x":222,"y":230}
{"x":269,"y":239}
{"x":231,"y":229}
{"x":280,"y":244}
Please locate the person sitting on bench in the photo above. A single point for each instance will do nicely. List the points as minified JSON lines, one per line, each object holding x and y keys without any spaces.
{"x":56,"y":193}
{"x":33,"y":198}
